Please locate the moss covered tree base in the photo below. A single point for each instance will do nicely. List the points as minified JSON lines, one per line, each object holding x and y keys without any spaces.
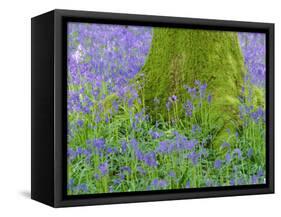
{"x":179,"y":57}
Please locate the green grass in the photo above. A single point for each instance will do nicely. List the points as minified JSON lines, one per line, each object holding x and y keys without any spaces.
{"x":127,"y":167}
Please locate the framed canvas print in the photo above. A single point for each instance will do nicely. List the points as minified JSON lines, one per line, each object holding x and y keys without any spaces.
{"x":133,"y":108}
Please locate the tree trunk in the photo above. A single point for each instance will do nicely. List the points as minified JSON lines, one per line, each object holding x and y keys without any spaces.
{"x":179,"y":57}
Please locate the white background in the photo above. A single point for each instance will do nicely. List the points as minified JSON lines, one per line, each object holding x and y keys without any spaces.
{"x":15,"y":106}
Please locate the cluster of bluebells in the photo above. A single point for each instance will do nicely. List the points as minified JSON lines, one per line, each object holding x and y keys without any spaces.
{"x":101,"y":61}
{"x":174,"y":147}
{"x":114,"y":146}
{"x":253,"y":48}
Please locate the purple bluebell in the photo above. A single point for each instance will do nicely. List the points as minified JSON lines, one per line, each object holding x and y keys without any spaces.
{"x":204,"y":152}
{"x":209,"y":183}
{"x":116,"y":181}
{"x":209,"y":99}
{"x":103,"y":168}
{"x":162,"y":183}
{"x":163,"y":146}
{"x":173,"y":98}
{"x":228,"y":157}
{"x":194,"y":157}
{"x":225,"y":145}
{"x":254,"y":52}
{"x":187,"y":184}
{"x":111,"y":150}
{"x":232,"y":182}
{"x":71,"y":154}
{"x":260,"y":173}
{"x":99,"y":143}
{"x":237,"y":152}
{"x":195,"y":129}
{"x":168,"y":105}
{"x":80,"y":123}
{"x":70,"y":185}
{"x":192,"y":92}
{"x":172,"y":173}
{"x":124,"y":146}
{"x":190,"y":144}
{"x":96,"y":176}
{"x":79,"y":151}
{"x":159,"y":183}
{"x":202,"y":89}
{"x":82,"y":187}
{"x":250,"y":152}
{"x":150,"y":159}
{"x":254,"y":179}
{"x":126,"y":169}
{"x":188,"y":106}
{"x":217,"y":164}
{"x":155,"y":134}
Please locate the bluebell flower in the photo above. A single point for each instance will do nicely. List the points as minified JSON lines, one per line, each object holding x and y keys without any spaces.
{"x":163,"y":147}
{"x":225,"y":145}
{"x":116,"y":181}
{"x":130,"y":102}
{"x":162,"y":183}
{"x":134,"y":143}
{"x":250,"y":152}
{"x":155,"y":182}
{"x":209,"y":99}
{"x":195,"y":129}
{"x":194,"y":157}
{"x":96,"y":176}
{"x":155,"y":134}
{"x":80,"y":123}
{"x":204,"y":152}
{"x":158,"y":183}
{"x":238,"y":152}
{"x":254,"y":179}
{"x":99,"y":144}
{"x":190,"y":144}
{"x":168,"y":105}
{"x":136,"y":149}
{"x":115,"y":105}
{"x":187,"y":184}
{"x":126,"y":169}
{"x":228,"y":157}
{"x":79,"y":151}
{"x":103,"y":168}
{"x":202,"y":89}
{"x":150,"y":159}
{"x":192,"y":92}
{"x":82,"y":187}
{"x":188,"y":106}
{"x":70,"y":185}
{"x":71,"y":154}
{"x":218,"y":164}
{"x":111,"y":189}
{"x":240,"y":181}
{"x":139,"y":154}
{"x":124,"y":146}
{"x":172,"y":173}
{"x":174,"y":98}
{"x":209,"y":183}
{"x":260,"y":173}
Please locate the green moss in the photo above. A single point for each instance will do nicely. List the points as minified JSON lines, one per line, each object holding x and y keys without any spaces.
{"x":178,"y":57}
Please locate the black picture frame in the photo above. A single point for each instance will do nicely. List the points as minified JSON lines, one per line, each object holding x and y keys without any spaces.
{"x":49,"y":117}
